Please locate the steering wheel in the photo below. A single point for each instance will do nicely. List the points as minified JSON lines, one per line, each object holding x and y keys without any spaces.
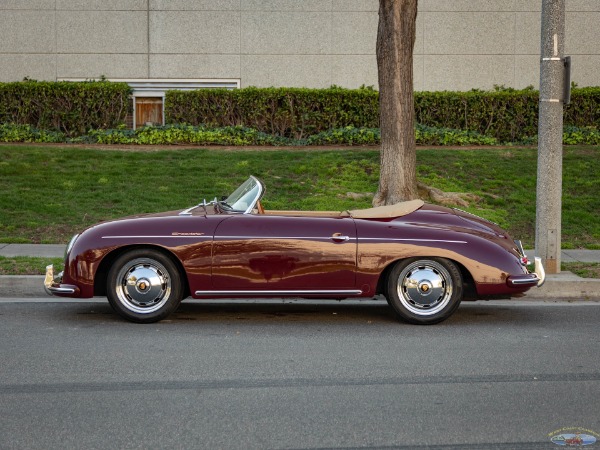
{"x":259,"y":207}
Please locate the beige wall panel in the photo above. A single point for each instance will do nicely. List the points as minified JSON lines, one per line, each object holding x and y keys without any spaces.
{"x":581,"y":5}
{"x":194,"y":66}
{"x":96,"y":65}
{"x":27,"y":4}
{"x":466,"y":5}
{"x":469,"y":33}
{"x":194,"y":5}
{"x":36,"y":67}
{"x":419,"y":72}
{"x":527,"y":71}
{"x":460,"y":44}
{"x":354,"y":33}
{"x":527,"y":33}
{"x":463,"y":73}
{"x":271,"y":33}
{"x":102,"y":5}
{"x":313,"y":71}
{"x":570,"y":5}
{"x":528,"y":5}
{"x":419,"y":47}
{"x":584,"y":70}
{"x":352,"y":71}
{"x":355,"y":5}
{"x":102,"y":31}
{"x":26,"y":32}
{"x":195,"y":32}
{"x":285,"y":5}
{"x":582,"y":33}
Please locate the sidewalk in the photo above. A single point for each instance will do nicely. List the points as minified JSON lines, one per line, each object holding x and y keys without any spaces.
{"x":563,"y":286}
{"x":36,"y":250}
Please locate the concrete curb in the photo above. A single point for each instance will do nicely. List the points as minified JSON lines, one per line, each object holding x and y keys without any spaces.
{"x":564,"y":286}
{"x":568,"y":286}
{"x":22,"y":286}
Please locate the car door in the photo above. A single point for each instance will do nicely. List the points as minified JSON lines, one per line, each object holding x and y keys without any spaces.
{"x":281,"y":253}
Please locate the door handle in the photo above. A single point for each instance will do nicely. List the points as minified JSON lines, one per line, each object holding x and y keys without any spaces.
{"x":337,"y":237}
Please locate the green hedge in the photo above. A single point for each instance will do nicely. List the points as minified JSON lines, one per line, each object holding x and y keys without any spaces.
{"x":68,"y":107}
{"x":506,"y":115}
{"x":287,"y":112}
{"x":503,"y":115}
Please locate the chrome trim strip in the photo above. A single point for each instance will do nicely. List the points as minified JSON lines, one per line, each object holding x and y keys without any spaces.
{"x":157,"y":237}
{"x":322,"y":238}
{"x":327,"y":238}
{"x":290,"y":292}
{"x":414,"y":240}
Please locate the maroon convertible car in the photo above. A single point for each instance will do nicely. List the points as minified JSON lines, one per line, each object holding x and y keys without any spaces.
{"x":423,"y":258}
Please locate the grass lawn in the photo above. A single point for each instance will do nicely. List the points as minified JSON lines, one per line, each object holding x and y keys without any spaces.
{"x":48,"y":193}
{"x":26,"y":265}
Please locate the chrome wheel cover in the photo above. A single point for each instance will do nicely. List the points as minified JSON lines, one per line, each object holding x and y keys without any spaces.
{"x":143,"y":285}
{"x":424,"y":287}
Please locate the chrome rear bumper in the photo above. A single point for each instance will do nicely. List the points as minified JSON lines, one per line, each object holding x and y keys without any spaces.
{"x":539,"y":271}
{"x":536,"y":278}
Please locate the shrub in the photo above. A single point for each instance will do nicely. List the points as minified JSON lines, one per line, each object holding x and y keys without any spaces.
{"x":286,"y":112}
{"x":26,"y":133}
{"x":504,"y":114}
{"x":185,"y":134}
{"x":239,"y":136}
{"x":68,"y":107}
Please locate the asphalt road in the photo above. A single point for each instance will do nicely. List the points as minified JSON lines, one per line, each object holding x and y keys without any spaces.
{"x":502,"y":374}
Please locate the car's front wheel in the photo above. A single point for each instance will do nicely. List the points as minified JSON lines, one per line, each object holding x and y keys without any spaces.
{"x":424,"y":290}
{"x":144,"y":286}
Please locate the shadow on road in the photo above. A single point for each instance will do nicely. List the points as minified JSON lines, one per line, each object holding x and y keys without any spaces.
{"x":330,"y":313}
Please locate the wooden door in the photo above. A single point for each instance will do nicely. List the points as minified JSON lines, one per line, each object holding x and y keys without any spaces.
{"x":148,"y":111}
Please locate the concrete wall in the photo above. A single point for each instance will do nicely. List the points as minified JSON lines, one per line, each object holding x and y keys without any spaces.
{"x":461,"y":44}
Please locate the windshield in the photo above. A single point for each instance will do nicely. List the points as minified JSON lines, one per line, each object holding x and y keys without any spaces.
{"x":245,"y":197}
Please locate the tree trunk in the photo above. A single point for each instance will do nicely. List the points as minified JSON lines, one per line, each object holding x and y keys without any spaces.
{"x":395,"y":42}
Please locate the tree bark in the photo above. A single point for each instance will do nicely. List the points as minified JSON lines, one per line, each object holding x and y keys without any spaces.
{"x":395,"y":43}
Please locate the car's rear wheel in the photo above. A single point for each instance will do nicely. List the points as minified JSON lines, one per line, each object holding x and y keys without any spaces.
{"x":424,"y":290}
{"x":144,"y":286}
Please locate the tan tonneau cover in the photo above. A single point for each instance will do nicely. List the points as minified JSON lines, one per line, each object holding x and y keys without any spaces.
{"x":382,"y":212}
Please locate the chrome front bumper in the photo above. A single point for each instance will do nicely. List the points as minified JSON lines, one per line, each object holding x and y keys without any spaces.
{"x":53,"y":284}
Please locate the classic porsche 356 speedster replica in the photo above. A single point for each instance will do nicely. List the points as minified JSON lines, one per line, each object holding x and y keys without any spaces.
{"x":424,"y":259}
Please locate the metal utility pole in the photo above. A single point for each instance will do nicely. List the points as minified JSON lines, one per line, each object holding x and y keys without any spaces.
{"x":550,"y":131}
